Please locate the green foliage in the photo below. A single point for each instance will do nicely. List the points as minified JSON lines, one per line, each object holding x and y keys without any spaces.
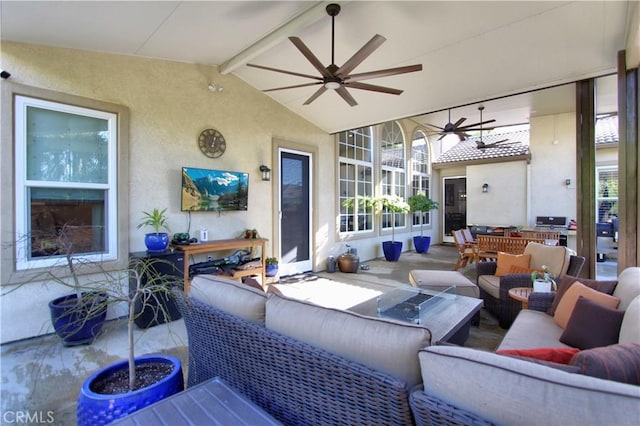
{"x":420,"y":203}
{"x":157,"y":220}
{"x":271,"y":261}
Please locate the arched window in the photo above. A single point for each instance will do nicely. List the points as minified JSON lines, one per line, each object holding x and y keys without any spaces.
{"x":420,"y":176}
{"x":393,"y":169}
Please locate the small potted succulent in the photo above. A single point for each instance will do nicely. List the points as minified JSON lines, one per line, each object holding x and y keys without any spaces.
{"x":156,"y":241}
{"x":271,"y":266}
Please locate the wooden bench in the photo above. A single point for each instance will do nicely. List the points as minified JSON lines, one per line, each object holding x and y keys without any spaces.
{"x":489,"y":245}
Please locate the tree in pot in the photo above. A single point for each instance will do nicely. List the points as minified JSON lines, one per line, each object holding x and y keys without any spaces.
{"x":419,"y":203}
{"x":129,"y":385}
{"x":156,"y":241}
{"x":392,"y":204}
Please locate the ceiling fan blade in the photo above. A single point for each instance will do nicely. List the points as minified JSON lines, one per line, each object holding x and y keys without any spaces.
{"x":469,"y":126}
{"x":373,"y":88}
{"x":459,"y":122}
{"x":434,"y":126}
{"x":383,"y":73}
{"x":346,"y":96}
{"x":297,"y":42}
{"x":293,"y":87}
{"x":361,"y":55}
{"x":315,"y":96}
{"x":262,"y":67}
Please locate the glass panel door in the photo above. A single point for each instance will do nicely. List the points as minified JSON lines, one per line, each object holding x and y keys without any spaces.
{"x":295,"y":212}
{"x":455,"y":206}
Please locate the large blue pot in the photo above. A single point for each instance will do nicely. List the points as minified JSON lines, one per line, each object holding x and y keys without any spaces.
{"x":97,"y":409}
{"x":156,"y":242}
{"x":392,"y":250}
{"x":421,"y":244}
{"x":78,"y":323}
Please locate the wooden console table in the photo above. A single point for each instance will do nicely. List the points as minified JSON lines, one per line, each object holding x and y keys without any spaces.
{"x":222,"y":245}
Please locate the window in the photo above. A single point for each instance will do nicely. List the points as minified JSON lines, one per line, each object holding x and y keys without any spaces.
{"x":392,"y":168}
{"x":356,"y":179}
{"x":65,"y":182}
{"x":420,"y":174}
{"x":607,"y":190}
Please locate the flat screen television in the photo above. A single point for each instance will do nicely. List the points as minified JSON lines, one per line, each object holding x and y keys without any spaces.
{"x":213,"y":190}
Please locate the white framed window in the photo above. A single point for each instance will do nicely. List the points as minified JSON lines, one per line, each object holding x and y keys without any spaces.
{"x":420,"y":174}
{"x":65,"y":176}
{"x":607,"y":193}
{"x":393,"y":171}
{"x":355,"y":166}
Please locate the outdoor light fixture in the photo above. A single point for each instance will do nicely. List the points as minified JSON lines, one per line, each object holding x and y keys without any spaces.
{"x":567,"y":181}
{"x":266,"y":172}
{"x":485,"y":187}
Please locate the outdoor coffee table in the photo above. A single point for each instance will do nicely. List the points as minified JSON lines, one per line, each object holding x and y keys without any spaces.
{"x":448,"y":320}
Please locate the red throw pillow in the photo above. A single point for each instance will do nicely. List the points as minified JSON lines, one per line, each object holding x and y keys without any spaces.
{"x":557,"y":355}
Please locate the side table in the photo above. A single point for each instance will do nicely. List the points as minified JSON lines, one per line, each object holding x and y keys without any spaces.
{"x":521,"y":294}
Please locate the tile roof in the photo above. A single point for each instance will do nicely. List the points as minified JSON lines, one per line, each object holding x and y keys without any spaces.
{"x":607,"y":130}
{"x":517,"y":146}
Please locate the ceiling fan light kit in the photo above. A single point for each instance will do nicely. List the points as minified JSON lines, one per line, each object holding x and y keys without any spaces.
{"x":338,"y":78}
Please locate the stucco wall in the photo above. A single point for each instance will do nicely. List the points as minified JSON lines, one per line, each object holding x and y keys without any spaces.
{"x":169,"y":106}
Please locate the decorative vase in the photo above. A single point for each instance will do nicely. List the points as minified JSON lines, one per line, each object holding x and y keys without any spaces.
{"x":392,"y":250}
{"x":348,"y":262}
{"x":422,"y":244}
{"x":156,"y":242}
{"x":78,"y":323}
{"x":541,"y":286}
{"x":271,"y":270}
{"x":100,"y":409}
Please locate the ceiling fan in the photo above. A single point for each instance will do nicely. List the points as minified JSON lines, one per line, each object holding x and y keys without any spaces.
{"x":458,"y":129}
{"x":482,"y":145}
{"x":339,"y":78}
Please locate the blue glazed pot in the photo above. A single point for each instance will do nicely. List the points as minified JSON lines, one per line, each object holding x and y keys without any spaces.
{"x":421,"y":244}
{"x":78,"y":323}
{"x":97,"y":409}
{"x":271,"y":270}
{"x":156,"y":242}
{"x":392,"y":250}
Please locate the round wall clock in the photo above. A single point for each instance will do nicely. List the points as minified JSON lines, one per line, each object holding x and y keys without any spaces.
{"x":212,"y":143}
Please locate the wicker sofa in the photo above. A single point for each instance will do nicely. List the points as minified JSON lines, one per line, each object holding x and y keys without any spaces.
{"x":302,"y":363}
{"x":509,"y":390}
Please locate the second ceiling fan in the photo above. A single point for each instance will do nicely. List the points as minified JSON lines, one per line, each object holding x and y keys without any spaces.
{"x":458,"y":129}
{"x":340,"y":78}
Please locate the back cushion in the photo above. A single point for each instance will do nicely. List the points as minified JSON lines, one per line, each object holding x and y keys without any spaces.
{"x":506,"y":263}
{"x":555,"y":257}
{"x":384,"y":345}
{"x":630,"y":328}
{"x":230,"y":296}
{"x":628,"y":287}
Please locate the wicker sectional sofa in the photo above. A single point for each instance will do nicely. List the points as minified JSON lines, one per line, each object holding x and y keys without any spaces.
{"x":302,"y":363}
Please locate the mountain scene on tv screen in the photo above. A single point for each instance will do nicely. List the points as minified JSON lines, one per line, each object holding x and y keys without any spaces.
{"x":213,"y":190}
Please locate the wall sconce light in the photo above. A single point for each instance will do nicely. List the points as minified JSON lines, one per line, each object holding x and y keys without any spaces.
{"x":567,"y":181}
{"x":485,"y":187}
{"x":266,"y":172}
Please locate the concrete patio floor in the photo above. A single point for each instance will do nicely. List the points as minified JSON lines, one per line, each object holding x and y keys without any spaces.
{"x":40,"y":379}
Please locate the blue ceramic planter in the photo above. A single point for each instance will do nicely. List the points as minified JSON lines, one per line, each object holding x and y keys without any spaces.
{"x":156,"y":242}
{"x":392,"y":250}
{"x":78,"y":323}
{"x":271,"y":270}
{"x":421,"y":244}
{"x":96,"y":409}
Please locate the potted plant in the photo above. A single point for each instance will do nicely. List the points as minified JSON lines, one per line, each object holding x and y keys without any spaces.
{"x":271,"y":266}
{"x":156,"y":241}
{"x":129,"y":385}
{"x":543,"y":283}
{"x":419,"y":203}
{"x":393,"y":204}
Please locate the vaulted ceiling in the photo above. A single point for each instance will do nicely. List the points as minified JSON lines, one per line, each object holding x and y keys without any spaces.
{"x":471,"y":51}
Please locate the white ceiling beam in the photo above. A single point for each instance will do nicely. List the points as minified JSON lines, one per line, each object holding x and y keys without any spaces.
{"x":311,"y":15}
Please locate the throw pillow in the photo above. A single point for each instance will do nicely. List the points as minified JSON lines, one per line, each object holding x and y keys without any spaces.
{"x":592,"y":325}
{"x":515,"y":269}
{"x":557,"y":355}
{"x":506,"y":261}
{"x":567,"y":281}
{"x":619,"y":362}
{"x":568,"y":301}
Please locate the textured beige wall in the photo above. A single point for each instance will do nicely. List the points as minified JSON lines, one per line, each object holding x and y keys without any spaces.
{"x":170,"y":105}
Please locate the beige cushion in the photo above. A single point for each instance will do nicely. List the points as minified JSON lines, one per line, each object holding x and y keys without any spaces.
{"x":490,"y":284}
{"x":555,"y":257}
{"x":382,"y":344}
{"x":628,"y":287}
{"x":568,"y":301}
{"x":509,"y":391}
{"x":531,"y":330}
{"x":230,"y":296}
{"x":506,"y":261}
{"x":441,"y":280}
{"x":630,"y":328}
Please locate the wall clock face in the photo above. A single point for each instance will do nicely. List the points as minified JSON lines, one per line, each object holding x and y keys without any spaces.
{"x":212,"y":143}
